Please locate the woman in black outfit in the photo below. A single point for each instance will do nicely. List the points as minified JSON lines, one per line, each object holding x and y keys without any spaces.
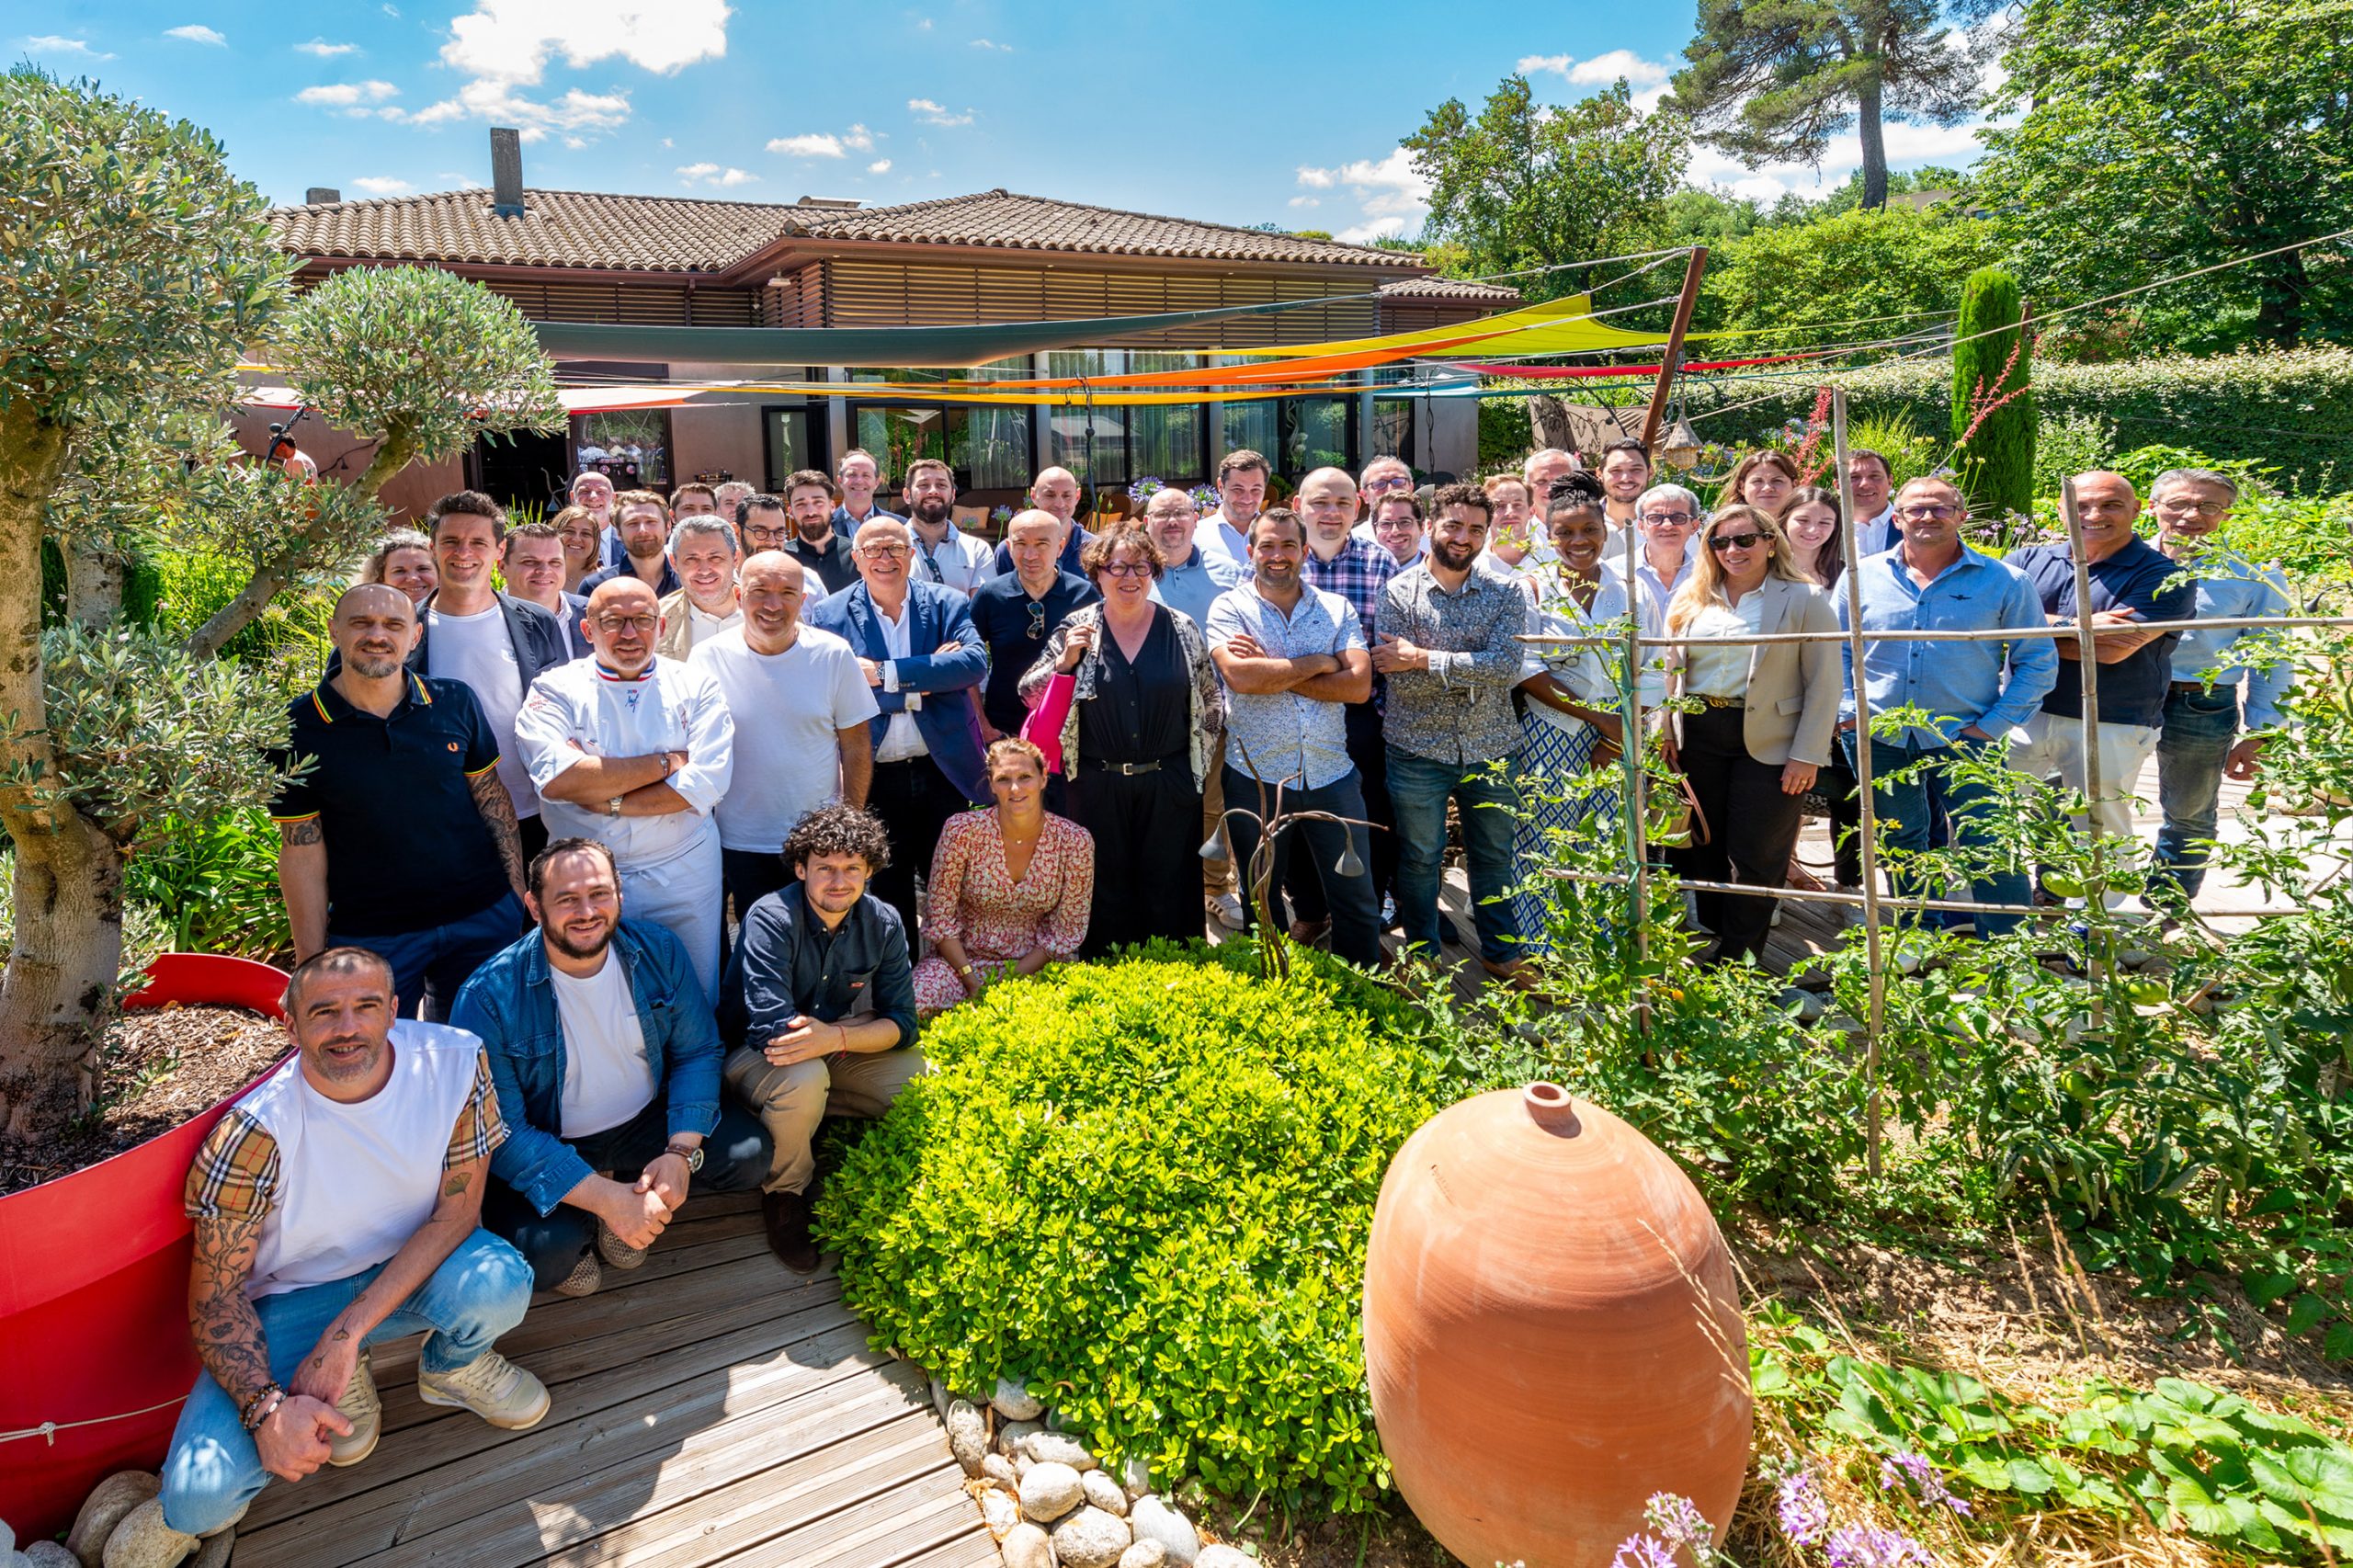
{"x":1134,"y":747}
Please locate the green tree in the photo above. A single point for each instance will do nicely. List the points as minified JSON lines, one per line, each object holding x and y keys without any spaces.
{"x":139,"y":272}
{"x":1993,"y":398}
{"x":1525,"y":185}
{"x":2157,"y":136}
{"x":1772,"y":81}
{"x":1862,"y":265}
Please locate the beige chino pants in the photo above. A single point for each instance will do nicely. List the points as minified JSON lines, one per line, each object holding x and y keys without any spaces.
{"x":791,"y":1100}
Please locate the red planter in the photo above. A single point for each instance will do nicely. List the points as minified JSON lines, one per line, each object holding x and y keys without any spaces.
{"x":1551,"y":1333}
{"x":94,"y":1291}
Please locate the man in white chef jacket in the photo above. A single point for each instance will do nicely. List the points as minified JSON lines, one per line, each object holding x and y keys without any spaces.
{"x":635,"y":750}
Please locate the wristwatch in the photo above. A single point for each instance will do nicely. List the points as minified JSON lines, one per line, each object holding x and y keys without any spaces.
{"x":613,"y":807}
{"x":692,"y":1157}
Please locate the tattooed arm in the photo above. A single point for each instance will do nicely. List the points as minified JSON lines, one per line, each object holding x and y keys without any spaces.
{"x":328,"y":1367}
{"x":293,"y":1442}
{"x":302,"y":878}
{"x":497,"y":809}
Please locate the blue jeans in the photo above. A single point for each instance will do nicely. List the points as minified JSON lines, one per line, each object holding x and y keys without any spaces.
{"x":1356,"y":918}
{"x":1418,"y":791}
{"x":2201,"y":727}
{"x":213,"y":1471}
{"x":429,"y":966}
{"x":1906,"y":810}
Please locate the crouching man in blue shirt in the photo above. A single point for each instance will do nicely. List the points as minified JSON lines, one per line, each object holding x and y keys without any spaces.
{"x":820,"y":1001}
{"x":606,"y":1058}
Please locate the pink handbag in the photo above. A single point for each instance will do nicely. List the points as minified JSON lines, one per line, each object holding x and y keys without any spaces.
{"x":1044,"y":726}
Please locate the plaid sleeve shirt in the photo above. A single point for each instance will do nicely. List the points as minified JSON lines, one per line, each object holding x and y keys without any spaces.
{"x":1459,"y":710}
{"x":235,"y":1173}
{"x":1359,"y":574}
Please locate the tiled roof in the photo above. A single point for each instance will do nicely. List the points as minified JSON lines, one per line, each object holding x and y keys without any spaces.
{"x":1449,"y":289}
{"x":681,"y":235}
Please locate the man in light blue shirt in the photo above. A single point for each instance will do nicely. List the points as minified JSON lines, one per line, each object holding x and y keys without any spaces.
{"x":2206,"y":735}
{"x":1191,"y":579}
{"x":1976,"y":692}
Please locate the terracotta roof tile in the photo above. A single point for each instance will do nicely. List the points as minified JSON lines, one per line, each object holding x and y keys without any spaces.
{"x":1449,"y":289}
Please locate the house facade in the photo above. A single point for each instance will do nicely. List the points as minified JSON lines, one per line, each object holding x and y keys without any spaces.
{"x":995,"y":256}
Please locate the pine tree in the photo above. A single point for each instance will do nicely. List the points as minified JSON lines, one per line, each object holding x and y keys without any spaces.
{"x":1993,"y":397}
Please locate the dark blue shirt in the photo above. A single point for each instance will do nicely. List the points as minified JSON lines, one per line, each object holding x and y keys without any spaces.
{"x":596,"y":580}
{"x":787,"y":965}
{"x":832,"y":564}
{"x":2133,"y":690}
{"x":1016,"y":627}
{"x":1067,"y":561}
{"x":407,"y":849}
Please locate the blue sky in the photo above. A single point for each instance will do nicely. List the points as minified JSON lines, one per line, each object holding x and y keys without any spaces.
{"x":1236,"y":113}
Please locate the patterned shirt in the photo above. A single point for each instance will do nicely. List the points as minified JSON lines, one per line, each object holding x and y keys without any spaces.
{"x":1281,"y":737}
{"x":1459,"y":710}
{"x":236,"y":1173}
{"x":1359,"y":574}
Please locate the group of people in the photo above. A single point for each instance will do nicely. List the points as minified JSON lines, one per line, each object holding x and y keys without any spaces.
{"x":604,"y":852}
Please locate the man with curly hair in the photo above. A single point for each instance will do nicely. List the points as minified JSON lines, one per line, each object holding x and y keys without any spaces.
{"x":820,"y":1008}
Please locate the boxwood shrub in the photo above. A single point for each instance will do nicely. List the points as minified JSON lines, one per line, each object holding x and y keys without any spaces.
{"x":1143,"y":1189}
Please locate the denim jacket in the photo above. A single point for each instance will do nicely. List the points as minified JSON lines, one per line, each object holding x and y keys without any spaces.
{"x":509,"y":1003}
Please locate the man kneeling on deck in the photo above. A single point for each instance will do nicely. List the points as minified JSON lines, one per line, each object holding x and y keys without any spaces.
{"x":606,"y":1060}
{"x":822,"y":996}
{"x":335,"y":1207}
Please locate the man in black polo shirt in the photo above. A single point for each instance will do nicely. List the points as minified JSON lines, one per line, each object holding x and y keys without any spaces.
{"x":821,"y":549}
{"x":400,"y":838}
{"x":2129,"y":585}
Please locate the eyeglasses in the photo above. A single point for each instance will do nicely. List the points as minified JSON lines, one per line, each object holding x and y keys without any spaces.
{"x":1126,"y":569}
{"x":1394,"y":481}
{"x":643,"y":625}
{"x":1396,"y":525}
{"x":1667,"y":520}
{"x":882,"y":550}
{"x":1721,"y":543}
{"x":1926,"y":514}
{"x":2199,"y":509}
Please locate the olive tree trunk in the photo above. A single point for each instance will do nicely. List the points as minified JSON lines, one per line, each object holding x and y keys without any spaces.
{"x":67,"y":876}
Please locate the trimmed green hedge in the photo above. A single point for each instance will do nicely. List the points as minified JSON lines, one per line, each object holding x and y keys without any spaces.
{"x":1143,"y":1189}
{"x":2291,"y":412}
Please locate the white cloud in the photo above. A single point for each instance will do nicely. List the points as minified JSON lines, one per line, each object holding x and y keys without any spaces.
{"x":1306,"y":201}
{"x":936,"y":113}
{"x":698,"y":170}
{"x":325,"y":51}
{"x":1530,"y":64}
{"x":499,"y":103}
{"x":52,"y":43}
{"x":991,"y":43}
{"x":1317,"y":180}
{"x":1365,"y":233}
{"x":461,"y":182}
{"x":346,"y":95}
{"x":857,"y":139}
{"x":383,"y":185}
{"x":815,"y":146}
{"x":1393,"y":197}
{"x":711,"y":173}
{"x":878,"y":166}
{"x":1600,"y":70}
{"x":510,"y":40}
{"x":196,"y":32}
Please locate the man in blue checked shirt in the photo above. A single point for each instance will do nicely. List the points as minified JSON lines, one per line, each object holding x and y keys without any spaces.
{"x":2206,"y":735}
{"x":1978,"y":691}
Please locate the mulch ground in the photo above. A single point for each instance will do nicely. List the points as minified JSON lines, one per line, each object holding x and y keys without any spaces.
{"x":157,"y":1068}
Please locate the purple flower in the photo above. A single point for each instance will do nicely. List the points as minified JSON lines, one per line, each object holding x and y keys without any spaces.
{"x":1644,"y":1551}
{"x":1913,"y":1473}
{"x":1805,"y":1517}
{"x":1869,"y":1546}
{"x":1679,"y":1520}
{"x":1143,"y":489}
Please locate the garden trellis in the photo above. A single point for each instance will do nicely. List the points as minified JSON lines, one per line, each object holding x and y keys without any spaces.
{"x":1629,"y":649}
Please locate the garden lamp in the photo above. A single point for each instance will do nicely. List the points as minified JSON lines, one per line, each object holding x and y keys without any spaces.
{"x":1680,"y":447}
{"x":1347,"y":865}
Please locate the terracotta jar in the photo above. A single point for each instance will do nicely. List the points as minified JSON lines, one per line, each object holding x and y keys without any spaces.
{"x":1552,"y":1332}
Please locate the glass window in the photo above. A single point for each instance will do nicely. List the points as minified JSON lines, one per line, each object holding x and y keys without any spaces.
{"x":1393,"y":430}
{"x":988,"y":448}
{"x":630,"y":444}
{"x":792,"y":436}
{"x":1252,"y":425}
{"x":1315,"y":434}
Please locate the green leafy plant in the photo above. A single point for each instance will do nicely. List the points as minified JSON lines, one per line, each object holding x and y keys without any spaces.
{"x":214,"y":884}
{"x":1993,"y":394}
{"x":1143,"y":1189}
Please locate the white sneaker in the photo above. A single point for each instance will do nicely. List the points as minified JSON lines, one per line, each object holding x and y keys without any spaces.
{"x":492,"y":1387}
{"x":1227,"y":909}
{"x":360,"y":1407}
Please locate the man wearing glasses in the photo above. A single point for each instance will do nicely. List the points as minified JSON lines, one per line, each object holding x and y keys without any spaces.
{"x":763,"y":524}
{"x":1383,"y":478}
{"x":1015,"y":614}
{"x":635,"y":750}
{"x":2205,"y":735}
{"x":1666,"y":521}
{"x":1977,"y":691}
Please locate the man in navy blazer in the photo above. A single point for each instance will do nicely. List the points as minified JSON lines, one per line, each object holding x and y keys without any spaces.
{"x":914,"y":641}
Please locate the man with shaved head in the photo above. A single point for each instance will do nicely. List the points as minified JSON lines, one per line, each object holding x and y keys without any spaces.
{"x":635,"y":750}
{"x":2132,"y":583}
{"x":1055,"y":490}
{"x":402,"y":839}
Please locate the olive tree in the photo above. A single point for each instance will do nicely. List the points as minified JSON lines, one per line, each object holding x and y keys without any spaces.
{"x":135,"y":274}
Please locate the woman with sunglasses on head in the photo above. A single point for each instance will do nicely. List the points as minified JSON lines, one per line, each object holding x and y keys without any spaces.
{"x":1817,"y":546}
{"x":1767,"y":720}
{"x":1145,"y":718}
{"x":1765,"y":480}
{"x":583,"y":536}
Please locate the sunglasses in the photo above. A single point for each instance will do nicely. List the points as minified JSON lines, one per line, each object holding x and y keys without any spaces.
{"x":1721,"y":543}
{"x":1037,"y":621}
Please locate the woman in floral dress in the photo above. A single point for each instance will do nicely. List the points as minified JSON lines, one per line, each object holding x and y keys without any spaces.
{"x":1010,"y":887}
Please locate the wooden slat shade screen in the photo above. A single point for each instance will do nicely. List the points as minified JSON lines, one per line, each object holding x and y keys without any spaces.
{"x":631,"y":303}
{"x":882,"y":293}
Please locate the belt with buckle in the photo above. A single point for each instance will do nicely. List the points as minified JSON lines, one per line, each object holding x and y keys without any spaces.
{"x":2197,"y":686}
{"x":1721,"y":701}
{"x":1126,"y":769}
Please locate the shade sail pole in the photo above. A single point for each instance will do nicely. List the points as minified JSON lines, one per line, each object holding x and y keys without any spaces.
{"x":1689,"y":298}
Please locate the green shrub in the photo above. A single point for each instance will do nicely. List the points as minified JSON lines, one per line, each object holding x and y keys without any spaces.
{"x":1993,"y":395}
{"x":2291,"y":412}
{"x":214,"y":884}
{"x":190,"y":585}
{"x":1143,"y":1189}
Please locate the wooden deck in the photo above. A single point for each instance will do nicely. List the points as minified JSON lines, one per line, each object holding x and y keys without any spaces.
{"x":711,"y":1408}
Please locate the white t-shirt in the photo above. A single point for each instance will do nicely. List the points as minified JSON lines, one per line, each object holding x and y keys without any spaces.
{"x":787,"y":708}
{"x":607,"y":1078}
{"x":476,"y":650}
{"x":582,"y":708}
{"x":958,"y":561}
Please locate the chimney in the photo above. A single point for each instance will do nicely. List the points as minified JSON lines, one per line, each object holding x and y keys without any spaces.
{"x":507,"y":171}
{"x":321,"y":195}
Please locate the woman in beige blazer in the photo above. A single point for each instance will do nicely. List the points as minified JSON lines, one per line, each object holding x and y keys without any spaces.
{"x":1768,"y":715}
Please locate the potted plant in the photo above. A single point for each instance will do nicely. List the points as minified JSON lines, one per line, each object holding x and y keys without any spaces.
{"x":94,"y":1290}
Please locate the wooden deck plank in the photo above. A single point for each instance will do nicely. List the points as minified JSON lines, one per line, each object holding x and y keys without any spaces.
{"x":927,"y":1511}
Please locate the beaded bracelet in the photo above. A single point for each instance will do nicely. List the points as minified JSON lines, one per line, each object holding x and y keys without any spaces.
{"x":256,"y":1412}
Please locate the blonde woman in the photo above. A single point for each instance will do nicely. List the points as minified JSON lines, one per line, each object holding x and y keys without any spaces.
{"x":403,"y":559}
{"x":1767,"y":718}
{"x":1763,"y":479}
{"x":582,"y":537}
{"x":1513,"y":547}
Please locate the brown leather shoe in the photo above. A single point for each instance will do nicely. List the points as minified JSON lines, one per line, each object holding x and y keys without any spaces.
{"x":786,"y":1215}
{"x":1514,"y":973}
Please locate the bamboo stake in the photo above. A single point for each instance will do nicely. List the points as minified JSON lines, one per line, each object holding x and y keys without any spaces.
{"x":1630,"y":757}
{"x":2087,"y":669}
{"x":1868,"y":812}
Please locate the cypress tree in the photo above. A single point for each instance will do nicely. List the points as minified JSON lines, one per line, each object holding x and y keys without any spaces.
{"x":1993,"y":400}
